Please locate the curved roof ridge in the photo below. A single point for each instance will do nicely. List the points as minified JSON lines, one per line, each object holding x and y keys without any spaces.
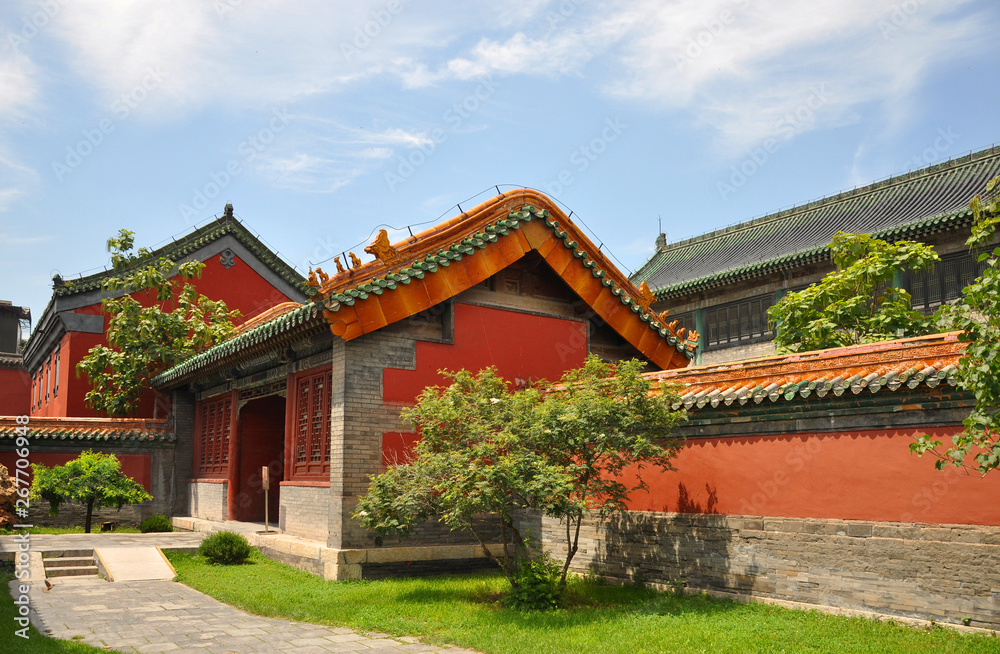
{"x":177,"y":249}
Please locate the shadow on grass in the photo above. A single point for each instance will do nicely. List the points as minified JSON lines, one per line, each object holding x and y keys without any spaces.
{"x":586,"y":601}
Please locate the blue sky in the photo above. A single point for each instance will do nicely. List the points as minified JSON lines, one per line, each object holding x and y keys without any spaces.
{"x":321,"y":121}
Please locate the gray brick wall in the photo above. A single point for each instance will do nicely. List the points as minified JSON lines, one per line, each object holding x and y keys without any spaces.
{"x":207,"y":501}
{"x":738,"y":353}
{"x":183,"y":414}
{"x":359,"y":418}
{"x":305,"y":511}
{"x":942,"y":572}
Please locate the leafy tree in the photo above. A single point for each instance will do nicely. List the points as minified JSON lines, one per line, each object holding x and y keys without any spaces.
{"x":8,"y":498}
{"x":856,"y":303}
{"x":94,"y":479}
{"x":562,"y":452}
{"x":976,"y":315}
{"x":157,"y":321}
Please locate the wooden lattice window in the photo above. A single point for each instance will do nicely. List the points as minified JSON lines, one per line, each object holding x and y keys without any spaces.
{"x":943,"y":282}
{"x":738,"y":322}
{"x":312,"y":426}
{"x":214,"y":437}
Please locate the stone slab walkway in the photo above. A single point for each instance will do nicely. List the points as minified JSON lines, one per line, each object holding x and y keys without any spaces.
{"x":57,"y":542}
{"x":165,"y":616}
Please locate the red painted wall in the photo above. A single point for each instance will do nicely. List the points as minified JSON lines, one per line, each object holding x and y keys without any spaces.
{"x":240,"y":286}
{"x":856,"y":475}
{"x":521,"y":346}
{"x":15,"y":392}
{"x":136,"y":466}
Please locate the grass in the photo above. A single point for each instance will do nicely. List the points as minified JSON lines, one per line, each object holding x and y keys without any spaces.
{"x":36,"y":643}
{"x":466,"y":611}
{"x":123,"y":529}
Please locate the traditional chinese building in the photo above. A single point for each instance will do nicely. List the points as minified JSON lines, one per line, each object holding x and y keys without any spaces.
{"x":313,"y":391}
{"x":239,"y":269}
{"x":796,"y":482}
{"x":15,"y":384}
{"x":43,"y":384}
{"x":722,"y":283}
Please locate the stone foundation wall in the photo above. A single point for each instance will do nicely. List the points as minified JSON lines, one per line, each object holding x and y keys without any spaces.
{"x":946,"y":573}
{"x":207,"y":500}
{"x":305,"y":511}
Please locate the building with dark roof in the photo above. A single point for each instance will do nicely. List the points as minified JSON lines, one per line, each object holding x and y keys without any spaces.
{"x":239,"y":269}
{"x":15,"y":384}
{"x":313,"y":391}
{"x":721,"y":283}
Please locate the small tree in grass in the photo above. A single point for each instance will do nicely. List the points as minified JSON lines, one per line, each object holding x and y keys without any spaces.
{"x":564,"y":452}
{"x":93,"y":479}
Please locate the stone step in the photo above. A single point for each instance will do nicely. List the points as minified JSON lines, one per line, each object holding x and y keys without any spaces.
{"x":68,"y":562}
{"x":56,"y":554}
{"x":72,"y":571}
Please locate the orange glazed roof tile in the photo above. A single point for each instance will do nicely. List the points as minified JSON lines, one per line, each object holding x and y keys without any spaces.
{"x":88,"y":429}
{"x":425,"y":269}
{"x":436,"y":264}
{"x":873,"y":366}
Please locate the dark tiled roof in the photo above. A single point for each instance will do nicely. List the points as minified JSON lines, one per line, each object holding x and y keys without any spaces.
{"x":8,"y":360}
{"x":909,"y":362}
{"x":906,"y":206}
{"x":306,"y":314}
{"x":89,"y":430}
{"x":199,"y":238}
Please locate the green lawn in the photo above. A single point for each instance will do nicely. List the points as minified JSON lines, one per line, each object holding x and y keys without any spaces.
{"x":466,"y":611}
{"x":124,"y":529}
{"x":36,"y":643}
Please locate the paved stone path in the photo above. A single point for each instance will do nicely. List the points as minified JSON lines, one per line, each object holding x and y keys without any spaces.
{"x":177,"y":540}
{"x":165,"y":616}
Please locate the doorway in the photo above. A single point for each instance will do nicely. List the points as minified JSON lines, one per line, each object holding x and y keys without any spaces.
{"x":262,"y":443}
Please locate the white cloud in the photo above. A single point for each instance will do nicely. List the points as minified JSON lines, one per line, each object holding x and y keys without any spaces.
{"x":747,"y":70}
{"x":325,"y":156}
{"x":737,"y":67}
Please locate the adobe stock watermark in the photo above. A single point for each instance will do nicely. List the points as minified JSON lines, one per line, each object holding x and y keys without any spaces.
{"x":453,"y":118}
{"x":792,"y":123}
{"x":22,"y":559}
{"x":553,"y":20}
{"x":33,"y":24}
{"x":122,"y":108}
{"x":323,"y":251}
{"x":898,"y":18}
{"x":365,"y":35}
{"x":944,"y":141}
{"x":698,"y":44}
{"x":219,"y":180}
{"x":795,"y":460}
{"x":223,"y":7}
{"x":585,"y":155}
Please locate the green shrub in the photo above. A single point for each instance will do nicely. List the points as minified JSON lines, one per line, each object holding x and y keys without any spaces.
{"x":225,"y":547}
{"x":535,"y":586}
{"x":156,"y":523}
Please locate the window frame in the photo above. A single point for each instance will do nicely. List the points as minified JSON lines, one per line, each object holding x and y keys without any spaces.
{"x":736,"y":313}
{"x":213,"y":434}
{"x":310,"y":416}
